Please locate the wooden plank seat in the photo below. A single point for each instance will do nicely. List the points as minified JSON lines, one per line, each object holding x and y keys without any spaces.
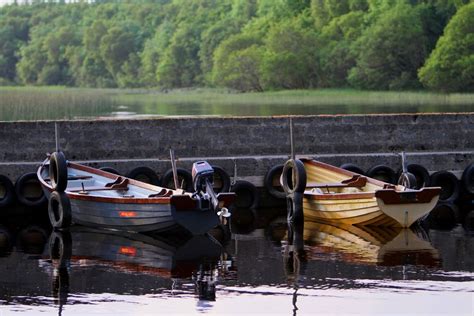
{"x":356,"y":181}
{"x":71,"y":178}
{"x":119,"y":184}
{"x":162,"y":193}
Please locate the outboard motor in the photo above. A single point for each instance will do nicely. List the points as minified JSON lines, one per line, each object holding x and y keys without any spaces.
{"x":202,"y":173}
{"x":203,"y":180}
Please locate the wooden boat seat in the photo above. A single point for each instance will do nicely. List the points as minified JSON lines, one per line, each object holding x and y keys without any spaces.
{"x":71,"y":178}
{"x":356,"y":181}
{"x":162,"y":193}
{"x":119,"y":184}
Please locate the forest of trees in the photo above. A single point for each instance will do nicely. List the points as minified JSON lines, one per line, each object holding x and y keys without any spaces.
{"x":247,"y":45}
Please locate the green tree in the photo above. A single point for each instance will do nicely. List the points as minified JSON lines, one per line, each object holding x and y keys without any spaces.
{"x":336,"y":55}
{"x":237,"y":63}
{"x":290,"y":59}
{"x":450,"y":67}
{"x":180,"y":65}
{"x":390,"y":51}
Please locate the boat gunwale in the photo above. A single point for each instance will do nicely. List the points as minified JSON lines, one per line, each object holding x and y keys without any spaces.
{"x":176,"y":198}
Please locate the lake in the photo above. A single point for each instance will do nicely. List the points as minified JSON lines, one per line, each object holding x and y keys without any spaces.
{"x":320,"y":269}
{"x":33,"y":103}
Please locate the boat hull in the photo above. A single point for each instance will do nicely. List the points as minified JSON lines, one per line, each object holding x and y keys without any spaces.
{"x":139,"y":217}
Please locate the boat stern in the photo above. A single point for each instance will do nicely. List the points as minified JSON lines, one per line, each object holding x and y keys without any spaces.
{"x":406,"y":207}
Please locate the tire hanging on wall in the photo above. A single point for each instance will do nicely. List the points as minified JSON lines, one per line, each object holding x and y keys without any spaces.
{"x":59,"y":210}
{"x":272,"y":182}
{"x":58,"y":171}
{"x":7,"y":192}
{"x":383,"y":173}
{"x":221,"y":180}
{"x":144,"y":174}
{"x":421,"y":174}
{"x":352,"y":167}
{"x":184,"y":179}
{"x":110,"y":170}
{"x":445,"y":215}
{"x":467,"y":179}
{"x":407,"y":179}
{"x":449,"y":184}
{"x":28,"y":190}
{"x":293,"y":169}
{"x":246,"y":195}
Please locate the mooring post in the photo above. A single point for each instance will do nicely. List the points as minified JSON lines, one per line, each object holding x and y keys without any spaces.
{"x":292,"y":140}
{"x":56,"y":135}
{"x":175,"y":171}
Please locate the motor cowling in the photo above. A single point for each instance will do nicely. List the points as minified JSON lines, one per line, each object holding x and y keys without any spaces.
{"x":202,"y":172}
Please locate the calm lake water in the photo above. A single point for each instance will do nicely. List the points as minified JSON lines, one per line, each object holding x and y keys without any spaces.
{"x":320,"y":269}
{"x":23,"y":103}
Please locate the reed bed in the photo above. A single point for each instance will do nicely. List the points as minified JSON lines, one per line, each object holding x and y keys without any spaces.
{"x":19,"y":103}
{"x":46,"y":103}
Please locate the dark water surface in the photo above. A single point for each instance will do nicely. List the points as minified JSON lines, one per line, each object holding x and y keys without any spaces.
{"x":320,"y":269}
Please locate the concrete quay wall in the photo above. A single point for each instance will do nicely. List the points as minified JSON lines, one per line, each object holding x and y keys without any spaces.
{"x":255,"y":144}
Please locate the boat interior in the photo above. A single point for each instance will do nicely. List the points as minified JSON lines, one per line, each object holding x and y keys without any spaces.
{"x":322,"y":180}
{"x":86,"y":183}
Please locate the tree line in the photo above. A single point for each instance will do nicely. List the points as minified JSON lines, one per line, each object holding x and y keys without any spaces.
{"x":247,"y":45}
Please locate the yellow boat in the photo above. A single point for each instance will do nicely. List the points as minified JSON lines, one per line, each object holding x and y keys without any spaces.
{"x":332,"y":194}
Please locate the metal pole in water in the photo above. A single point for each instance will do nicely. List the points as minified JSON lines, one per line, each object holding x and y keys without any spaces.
{"x":175,"y":171}
{"x":56,"y":136}
{"x":292,"y":141}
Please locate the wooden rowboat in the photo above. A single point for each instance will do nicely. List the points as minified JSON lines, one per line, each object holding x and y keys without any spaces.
{"x":332,"y":194}
{"x":92,"y":197}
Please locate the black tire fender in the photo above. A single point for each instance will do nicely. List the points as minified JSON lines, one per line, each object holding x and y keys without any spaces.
{"x":445,"y":215}
{"x":27,"y":184}
{"x":184,"y":177}
{"x":269,"y":182}
{"x":144,"y":174}
{"x":246,"y":195}
{"x":352,"y":168}
{"x":293,"y":168}
{"x":449,"y":184}
{"x":110,"y":170}
{"x":58,"y":171}
{"x":421,"y":174}
{"x":7,"y":192}
{"x":408,"y":180}
{"x":467,"y":179}
{"x":224,"y":179}
{"x":59,"y":210}
{"x":383,"y":173}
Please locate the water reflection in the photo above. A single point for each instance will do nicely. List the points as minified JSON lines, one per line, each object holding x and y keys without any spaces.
{"x":265,"y":267}
{"x":369,"y":245}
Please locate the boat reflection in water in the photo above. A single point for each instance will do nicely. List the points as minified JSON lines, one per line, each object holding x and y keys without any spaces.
{"x":369,"y":245}
{"x":173,"y":258}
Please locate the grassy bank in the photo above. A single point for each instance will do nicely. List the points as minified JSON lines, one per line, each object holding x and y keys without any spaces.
{"x":33,"y":103}
{"x":303,"y":97}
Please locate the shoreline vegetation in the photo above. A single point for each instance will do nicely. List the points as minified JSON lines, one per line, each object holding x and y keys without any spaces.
{"x":58,"y":102}
{"x":11,"y":95}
